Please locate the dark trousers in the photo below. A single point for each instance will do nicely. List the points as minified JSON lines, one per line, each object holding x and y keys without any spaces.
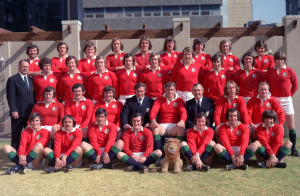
{"x":17,"y":125}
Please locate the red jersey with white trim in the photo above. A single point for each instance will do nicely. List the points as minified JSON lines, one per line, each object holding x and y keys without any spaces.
{"x":142,"y":61}
{"x":66,"y":83}
{"x":256,"y":108}
{"x":284,"y":84}
{"x":86,"y":66}
{"x":271,"y":139}
{"x":125,"y":82}
{"x":214,"y":83}
{"x":40,"y":83}
{"x":65,"y":143}
{"x":113,"y":110}
{"x":171,"y":112}
{"x":155,"y":82}
{"x":170,"y":59}
{"x":198,"y":140}
{"x":248,"y":83}
{"x":102,"y":137}
{"x":112,"y":61}
{"x":266,"y":62}
{"x":51,"y":115}
{"x":34,"y":65}
{"x":97,"y":82}
{"x":239,"y":136}
{"x":185,"y":78}
{"x":59,"y":66}
{"x":29,"y":139}
{"x":231,"y":61}
{"x":223,"y":105}
{"x":138,"y":142}
{"x":81,"y":111}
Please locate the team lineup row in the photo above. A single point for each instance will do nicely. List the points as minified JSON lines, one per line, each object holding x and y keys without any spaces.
{"x":168,"y":110}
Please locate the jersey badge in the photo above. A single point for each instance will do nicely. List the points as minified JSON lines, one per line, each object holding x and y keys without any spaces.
{"x":223,"y":76}
{"x":193,"y":69}
{"x":147,"y":110}
{"x":203,"y":58}
{"x":142,"y":137}
{"x":272,"y":134}
{"x":38,"y":137}
{"x":36,"y":63}
{"x":114,"y":106}
{"x":106,"y":131}
{"x":54,"y":109}
{"x":254,"y":76}
{"x":284,"y":74}
{"x":175,"y":56}
{"x":175,"y":104}
{"x":83,"y":107}
{"x":234,"y":105}
{"x":106,"y":77}
{"x":79,"y":78}
{"x":266,"y":61}
{"x":231,"y":60}
{"x":159,"y":75}
{"x":121,"y":58}
{"x":268,"y":105}
{"x":134,"y":75}
{"x":52,"y":80}
{"x":72,"y":137}
{"x":238,"y":132}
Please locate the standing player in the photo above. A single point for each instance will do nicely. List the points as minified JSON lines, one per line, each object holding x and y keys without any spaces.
{"x":170,"y":56}
{"x":283,"y":85}
{"x":30,"y":153}
{"x":231,"y":63}
{"x":114,"y":61}
{"x":32,"y":51}
{"x":142,"y":58}
{"x":87,"y":65}
{"x":58,"y":63}
{"x":263,"y":61}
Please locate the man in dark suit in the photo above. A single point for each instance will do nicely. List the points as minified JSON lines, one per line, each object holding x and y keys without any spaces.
{"x":199,"y":104}
{"x":20,"y":98}
{"x":137,"y":104}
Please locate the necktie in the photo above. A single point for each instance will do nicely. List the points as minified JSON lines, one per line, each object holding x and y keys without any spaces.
{"x":198,"y":106}
{"x":26,"y":83}
{"x":140,"y":102}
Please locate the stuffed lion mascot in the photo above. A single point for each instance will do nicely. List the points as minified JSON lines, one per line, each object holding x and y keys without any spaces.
{"x":172,"y":159}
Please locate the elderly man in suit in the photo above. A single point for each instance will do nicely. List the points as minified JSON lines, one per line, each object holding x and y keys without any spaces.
{"x":20,"y":98}
{"x":199,"y":104}
{"x":137,"y":104}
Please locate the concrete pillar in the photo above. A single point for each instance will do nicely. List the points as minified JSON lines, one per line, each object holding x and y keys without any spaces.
{"x":181,"y":32}
{"x":291,"y":48}
{"x":71,"y":35}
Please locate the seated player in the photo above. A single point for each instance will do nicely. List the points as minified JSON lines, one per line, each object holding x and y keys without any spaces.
{"x":80,"y":108}
{"x":138,"y":146}
{"x":171,"y":115}
{"x":170,"y":56}
{"x":87,"y":65}
{"x":114,"y":61}
{"x":269,"y":146}
{"x":102,"y":149}
{"x":234,"y":136}
{"x":67,"y":151}
{"x":51,"y":111}
{"x":199,"y":147}
{"x":32,"y":143}
{"x":44,"y":79}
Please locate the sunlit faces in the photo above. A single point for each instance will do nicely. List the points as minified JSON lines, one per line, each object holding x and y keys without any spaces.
{"x":233,"y":118}
{"x":145,"y":45}
{"x":101,"y":119}
{"x":108,"y":96}
{"x":197,"y":92}
{"x":136,"y":123}
{"x":260,"y":51}
{"x":187,"y":57}
{"x":217,"y":64}
{"x":78,"y":93}
{"x":231,"y":89}
{"x":46,"y":69}
{"x":199,"y":47}
{"x":140,"y":92}
{"x":62,"y":50}
{"x":279,"y":62}
{"x":225,"y":48}
{"x":201,"y":123}
{"x":68,"y":124}
{"x":48,"y":97}
{"x":24,"y":67}
{"x":32,"y":53}
{"x":72,"y":65}
{"x":36,"y":124}
{"x":269,"y":122}
{"x":100,"y":65}
{"x":154,"y":62}
{"x":128,"y":63}
{"x":263,"y":91}
{"x":170,"y":92}
{"x":248,"y":60}
{"x":170,"y":46}
{"x":90,"y":52}
{"x":117,"y":46}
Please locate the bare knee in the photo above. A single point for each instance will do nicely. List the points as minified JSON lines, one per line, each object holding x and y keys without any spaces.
{"x":158,"y":153}
{"x":85,"y":146}
{"x":218,"y":148}
{"x":254,"y":146}
{"x":155,"y":131}
{"x":212,"y":143}
{"x":183,"y":143}
{"x":8,"y":148}
{"x":119,"y":144}
{"x":46,"y":151}
{"x":38,"y":148}
{"x":288,"y":144}
{"x":120,"y":155}
{"x":78,"y":149}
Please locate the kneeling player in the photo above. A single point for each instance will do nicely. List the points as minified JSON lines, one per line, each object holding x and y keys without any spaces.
{"x":269,"y":148}
{"x":102,"y":135}
{"x":234,"y":136}
{"x":67,"y":151}
{"x":32,"y":143}
{"x":138,"y":146}
{"x":199,"y":146}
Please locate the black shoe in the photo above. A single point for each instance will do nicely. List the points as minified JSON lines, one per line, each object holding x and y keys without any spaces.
{"x":191,"y":167}
{"x":243,"y":167}
{"x":25,"y":170}
{"x":51,"y":169}
{"x":230,"y":167}
{"x":158,"y":162}
{"x":144,"y":169}
{"x":96,"y":166}
{"x":295,"y":153}
{"x":281,"y":165}
{"x":69,"y":168}
{"x":205,"y":168}
{"x":131,"y":168}
{"x":108,"y":166}
{"x":261,"y":164}
{"x":13,"y":169}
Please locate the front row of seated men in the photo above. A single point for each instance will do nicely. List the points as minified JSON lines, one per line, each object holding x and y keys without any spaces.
{"x":137,"y":149}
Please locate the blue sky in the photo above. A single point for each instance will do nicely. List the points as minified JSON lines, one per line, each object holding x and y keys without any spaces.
{"x":270,"y":11}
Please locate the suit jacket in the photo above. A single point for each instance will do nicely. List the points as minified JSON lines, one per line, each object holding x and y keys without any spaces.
{"x":18,"y":98}
{"x":207,"y":106}
{"x":132,"y":106}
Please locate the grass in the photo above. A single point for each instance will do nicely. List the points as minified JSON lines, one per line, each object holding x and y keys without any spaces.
{"x":217,"y":181}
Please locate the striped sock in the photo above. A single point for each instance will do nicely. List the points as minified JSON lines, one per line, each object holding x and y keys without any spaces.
{"x":72,"y":157}
{"x":91,"y":154}
{"x":248,"y":154}
{"x":130,"y":161}
{"x":282,"y":152}
{"x":50,"y":156}
{"x":157,"y":142}
{"x":208,"y":151}
{"x":13,"y":157}
{"x":186,"y":151}
{"x":292,"y":136}
{"x":224,"y":155}
{"x":262,"y":152}
{"x":31,"y":156}
{"x":151,"y":159}
{"x":113,"y":153}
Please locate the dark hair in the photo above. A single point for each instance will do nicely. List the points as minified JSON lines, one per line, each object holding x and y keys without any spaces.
{"x":32,"y":46}
{"x":71,"y":117}
{"x":248,"y":54}
{"x":78,"y":85}
{"x":33,"y":115}
{"x":269,"y":114}
{"x":234,"y":84}
{"x":109,"y":88}
{"x":113,"y":41}
{"x":89,"y":44}
{"x":231,"y":110}
{"x":169,"y":39}
{"x":126,"y":56}
{"x":100,"y":111}
{"x":153,"y":54}
{"x":44,"y":60}
{"x":139,"y":85}
{"x":261,"y":43}
{"x":169,"y":84}
{"x":48,"y":89}
{"x":279,"y":55}
{"x":199,"y":40}
{"x":60,"y":44}
{"x":200,"y":115}
{"x":24,"y":60}
{"x":70,"y":58}
{"x":135,"y":115}
{"x":197,"y":84}
{"x":215,"y":57}
{"x":147,"y":39}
